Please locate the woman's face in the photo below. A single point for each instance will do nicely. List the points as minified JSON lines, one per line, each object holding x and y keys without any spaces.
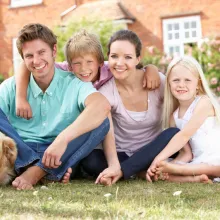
{"x":122,"y":59}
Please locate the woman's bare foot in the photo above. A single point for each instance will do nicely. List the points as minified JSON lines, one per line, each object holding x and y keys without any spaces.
{"x":66,"y":177}
{"x":29,"y":178}
{"x":106,"y":181}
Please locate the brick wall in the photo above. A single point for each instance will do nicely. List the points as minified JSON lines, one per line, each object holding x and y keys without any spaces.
{"x":148,"y":25}
{"x":149,"y":22}
{"x":13,"y":19}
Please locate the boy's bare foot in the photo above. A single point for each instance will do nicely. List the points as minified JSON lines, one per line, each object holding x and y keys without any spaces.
{"x":29,"y":178}
{"x":66,"y":177}
{"x":203,"y":179}
{"x":106,"y":181}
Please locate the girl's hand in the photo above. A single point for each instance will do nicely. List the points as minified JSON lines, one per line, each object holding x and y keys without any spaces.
{"x":23,"y":109}
{"x":151,"y":77}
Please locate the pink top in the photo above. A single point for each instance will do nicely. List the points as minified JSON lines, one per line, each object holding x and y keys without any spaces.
{"x":131,"y":135}
{"x":105,"y":73}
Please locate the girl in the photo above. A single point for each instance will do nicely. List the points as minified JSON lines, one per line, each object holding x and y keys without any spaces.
{"x":190,"y":105}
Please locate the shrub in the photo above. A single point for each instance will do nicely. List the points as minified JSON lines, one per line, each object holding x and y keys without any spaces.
{"x":104,"y":29}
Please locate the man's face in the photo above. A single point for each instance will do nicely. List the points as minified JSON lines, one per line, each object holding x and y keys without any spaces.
{"x":39,"y":59}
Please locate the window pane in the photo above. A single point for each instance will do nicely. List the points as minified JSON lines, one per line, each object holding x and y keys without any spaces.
{"x":177,"y":49}
{"x":176,"y":26}
{"x":170,"y":36}
{"x":177,"y":36}
{"x":187,"y":34}
{"x":169,"y":27}
{"x":194,"y":34}
{"x":171,"y":50}
{"x":193,"y":24}
{"x":186,"y":25}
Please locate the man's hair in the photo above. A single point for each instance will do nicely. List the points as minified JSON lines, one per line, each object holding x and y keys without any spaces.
{"x":81,"y":44}
{"x":33,"y":32}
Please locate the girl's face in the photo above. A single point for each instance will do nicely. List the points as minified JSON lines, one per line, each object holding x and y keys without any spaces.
{"x":122,"y":59}
{"x":86,"y":67}
{"x":183,"y":83}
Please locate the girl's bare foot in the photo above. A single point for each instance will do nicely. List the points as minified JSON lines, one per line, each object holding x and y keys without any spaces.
{"x":189,"y":179}
{"x":166,"y":167}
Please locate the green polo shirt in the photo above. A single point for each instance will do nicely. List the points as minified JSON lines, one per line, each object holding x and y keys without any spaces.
{"x":52,"y":110}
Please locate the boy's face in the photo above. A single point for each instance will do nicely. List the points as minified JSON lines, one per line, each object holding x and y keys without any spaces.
{"x":86,"y":67}
{"x":39,"y":59}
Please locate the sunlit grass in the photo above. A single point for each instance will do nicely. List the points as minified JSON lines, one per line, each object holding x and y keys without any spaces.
{"x":134,"y":199}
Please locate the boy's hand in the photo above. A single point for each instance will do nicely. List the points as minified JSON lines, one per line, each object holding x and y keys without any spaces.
{"x":151,"y":77}
{"x":23,"y":109}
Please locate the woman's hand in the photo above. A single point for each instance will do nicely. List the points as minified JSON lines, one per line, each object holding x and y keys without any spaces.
{"x":109,"y":176}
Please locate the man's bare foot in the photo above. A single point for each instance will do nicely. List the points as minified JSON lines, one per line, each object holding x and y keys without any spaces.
{"x":106,"y":181}
{"x":66,"y":177}
{"x":29,"y":178}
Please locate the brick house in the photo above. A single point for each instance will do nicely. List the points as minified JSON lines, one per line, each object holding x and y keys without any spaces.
{"x":167,"y":24}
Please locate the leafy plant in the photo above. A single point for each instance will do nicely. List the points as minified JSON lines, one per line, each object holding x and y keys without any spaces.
{"x":103,"y":29}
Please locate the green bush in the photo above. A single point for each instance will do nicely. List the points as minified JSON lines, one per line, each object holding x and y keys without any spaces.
{"x":207,"y":52}
{"x":103,"y":29}
{"x":1,"y":78}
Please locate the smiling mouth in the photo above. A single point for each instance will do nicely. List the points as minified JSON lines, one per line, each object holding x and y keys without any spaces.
{"x":181,"y":91}
{"x":120,"y":70}
{"x":85,"y":75}
{"x":39,"y":67}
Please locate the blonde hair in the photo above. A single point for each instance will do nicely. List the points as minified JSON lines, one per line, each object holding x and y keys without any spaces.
{"x":171,"y":103}
{"x":82,"y":43}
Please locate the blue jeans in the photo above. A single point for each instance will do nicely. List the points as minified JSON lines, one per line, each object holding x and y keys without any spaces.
{"x":95,"y":163}
{"x":31,"y":153}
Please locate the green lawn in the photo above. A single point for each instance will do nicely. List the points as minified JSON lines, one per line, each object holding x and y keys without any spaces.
{"x":134,"y":199}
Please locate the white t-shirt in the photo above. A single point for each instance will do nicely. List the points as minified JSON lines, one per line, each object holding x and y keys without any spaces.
{"x":131,"y":134}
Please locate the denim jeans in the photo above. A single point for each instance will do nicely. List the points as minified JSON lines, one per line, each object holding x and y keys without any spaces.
{"x":31,"y":153}
{"x":95,"y":163}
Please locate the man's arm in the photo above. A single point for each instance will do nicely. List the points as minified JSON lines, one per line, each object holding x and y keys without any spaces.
{"x":96,"y":110}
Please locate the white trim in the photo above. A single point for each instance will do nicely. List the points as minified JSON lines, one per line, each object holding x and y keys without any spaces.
{"x":180,"y":31}
{"x":22,"y":3}
{"x":16,"y":56}
{"x":68,"y":10}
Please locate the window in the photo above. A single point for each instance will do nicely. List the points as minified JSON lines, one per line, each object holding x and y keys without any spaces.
{"x":21,"y":3}
{"x":178,"y":32}
{"x":16,"y":56}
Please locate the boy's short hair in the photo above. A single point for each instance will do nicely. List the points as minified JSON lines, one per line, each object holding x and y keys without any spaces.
{"x":35,"y":31}
{"x":82,"y":43}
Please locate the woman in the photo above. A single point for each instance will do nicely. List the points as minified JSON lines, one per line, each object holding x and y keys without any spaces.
{"x":136,"y":113}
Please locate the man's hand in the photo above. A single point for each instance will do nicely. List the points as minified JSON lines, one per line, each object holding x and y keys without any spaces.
{"x":110,"y":176}
{"x":151,"y":77}
{"x":54,"y":152}
{"x":23,"y":109}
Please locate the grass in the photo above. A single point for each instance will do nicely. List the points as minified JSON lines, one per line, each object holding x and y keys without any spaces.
{"x":134,"y":199}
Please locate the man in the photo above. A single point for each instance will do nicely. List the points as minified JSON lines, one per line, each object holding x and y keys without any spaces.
{"x":68,"y":114}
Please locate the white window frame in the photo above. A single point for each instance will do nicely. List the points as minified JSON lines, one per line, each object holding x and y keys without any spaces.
{"x":179,"y":43}
{"x":22,"y":3}
{"x":16,"y":56}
